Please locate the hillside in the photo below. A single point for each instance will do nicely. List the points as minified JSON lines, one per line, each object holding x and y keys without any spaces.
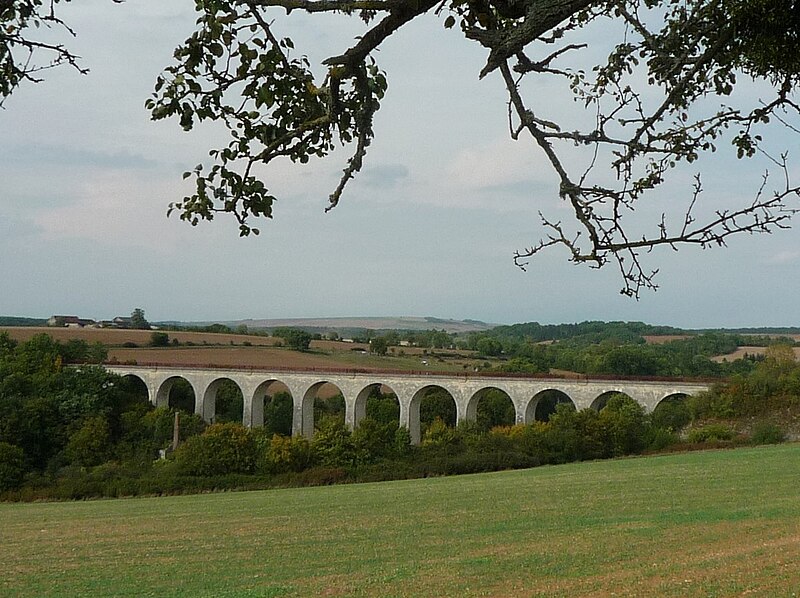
{"x":376,"y":323}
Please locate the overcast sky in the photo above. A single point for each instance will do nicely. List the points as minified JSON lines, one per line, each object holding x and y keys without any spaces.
{"x":428,"y":228}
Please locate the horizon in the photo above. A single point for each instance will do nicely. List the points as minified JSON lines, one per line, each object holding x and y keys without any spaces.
{"x":414,"y":317}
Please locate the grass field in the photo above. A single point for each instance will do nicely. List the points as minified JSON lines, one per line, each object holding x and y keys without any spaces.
{"x":717,"y":523}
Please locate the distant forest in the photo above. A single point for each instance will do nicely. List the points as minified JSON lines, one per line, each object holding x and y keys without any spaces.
{"x":14,"y":321}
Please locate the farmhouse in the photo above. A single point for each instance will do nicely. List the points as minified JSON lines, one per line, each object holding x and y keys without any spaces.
{"x":69,"y":322}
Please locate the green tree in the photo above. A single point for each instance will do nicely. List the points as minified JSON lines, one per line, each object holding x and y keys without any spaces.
{"x":373,"y":440}
{"x":278,"y":414}
{"x":379,"y":345}
{"x":12,"y":466}
{"x":331,"y":407}
{"x":437,"y":403}
{"x":333,"y":444}
{"x":295,"y":338}
{"x":488,"y":346}
{"x":572,"y":435}
{"x":181,"y":396}
{"x":495,"y":408}
{"x":280,"y":454}
{"x":671,"y":414}
{"x":383,"y":408}
{"x":229,"y":405}
{"x":221,"y":449}
{"x":138,"y":321}
{"x":625,"y":425}
{"x":159,"y":339}
{"x":91,"y":444}
{"x":438,"y":434}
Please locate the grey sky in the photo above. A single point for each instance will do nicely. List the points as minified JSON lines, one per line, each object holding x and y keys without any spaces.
{"x":428,"y":228}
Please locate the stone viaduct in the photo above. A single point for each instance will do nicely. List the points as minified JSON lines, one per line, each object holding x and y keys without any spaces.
{"x":466,"y":391}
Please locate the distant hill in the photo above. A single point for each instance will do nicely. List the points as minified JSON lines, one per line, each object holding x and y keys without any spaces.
{"x":381,"y":323}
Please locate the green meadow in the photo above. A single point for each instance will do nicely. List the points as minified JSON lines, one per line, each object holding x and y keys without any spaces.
{"x":715,"y":523}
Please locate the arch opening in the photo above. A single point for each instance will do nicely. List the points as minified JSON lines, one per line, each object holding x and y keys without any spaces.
{"x":273,"y":408}
{"x":544,"y":404}
{"x":178,"y":394}
{"x":223,"y":402}
{"x":430,"y":404}
{"x":379,"y":403}
{"x":135,"y":389}
{"x":322,"y":401}
{"x":491,"y":407}
{"x":603,"y":399}
{"x":672,"y":412}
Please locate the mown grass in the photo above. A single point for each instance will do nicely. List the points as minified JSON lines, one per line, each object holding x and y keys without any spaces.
{"x":717,"y":523}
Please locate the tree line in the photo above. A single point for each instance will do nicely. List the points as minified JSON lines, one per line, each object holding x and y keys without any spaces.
{"x":75,"y":432}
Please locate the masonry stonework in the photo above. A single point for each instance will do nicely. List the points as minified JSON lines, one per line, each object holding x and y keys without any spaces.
{"x":466,"y":392}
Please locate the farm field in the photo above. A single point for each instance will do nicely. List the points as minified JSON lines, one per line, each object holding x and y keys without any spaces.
{"x":742,"y":351}
{"x":267,"y":357}
{"x":229,"y":350}
{"x":117,"y":337}
{"x":716,"y":523}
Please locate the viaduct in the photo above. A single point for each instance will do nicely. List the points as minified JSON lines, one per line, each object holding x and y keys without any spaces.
{"x":466,"y":391}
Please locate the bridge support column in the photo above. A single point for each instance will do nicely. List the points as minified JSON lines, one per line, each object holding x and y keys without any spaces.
{"x":355,"y":410}
{"x":205,"y":402}
{"x":303,"y":423}
{"x":466,"y":409}
{"x":152,"y":391}
{"x":409,"y":416}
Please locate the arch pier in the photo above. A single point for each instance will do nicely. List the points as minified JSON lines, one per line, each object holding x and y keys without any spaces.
{"x":525,"y":393}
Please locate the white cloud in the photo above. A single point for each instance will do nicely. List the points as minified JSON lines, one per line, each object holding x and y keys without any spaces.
{"x":787,"y":256}
{"x":500,"y":175}
{"x":499,"y":163}
{"x":119,"y":208}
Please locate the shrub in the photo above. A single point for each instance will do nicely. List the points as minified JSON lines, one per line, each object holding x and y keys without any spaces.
{"x":12,"y":466}
{"x":333,"y":444}
{"x":661,"y":438}
{"x":159,"y":339}
{"x":574,"y":435}
{"x":320,"y":476}
{"x":439,"y":434}
{"x":402,"y":442}
{"x":373,"y":440}
{"x":624,"y":425}
{"x":472,"y":462}
{"x":91,"y":444}
{"x":767,"y":433}
{"x":671,"y":414}
{"x":710,"y":433}
{"x":281,"y":454}
{"x":222,"y":448}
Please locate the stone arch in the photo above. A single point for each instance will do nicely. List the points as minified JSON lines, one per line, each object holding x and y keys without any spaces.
{"x":601,"y":399}
{"x":309,"y":403}
{"x":165,"y":397}
{"x":543,"y":404}
{"x":381,"y":413}
{"x":491,"y":406}
{"x":135,"y":384}
{"x":265,"y":414}
{"x":209,"y":403}
{"x":671,"y":411}
{"x":415,"y":414}
{"x":672,"y":397}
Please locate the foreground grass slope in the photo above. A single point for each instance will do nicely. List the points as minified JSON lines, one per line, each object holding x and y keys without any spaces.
{"x":717,"y":523}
